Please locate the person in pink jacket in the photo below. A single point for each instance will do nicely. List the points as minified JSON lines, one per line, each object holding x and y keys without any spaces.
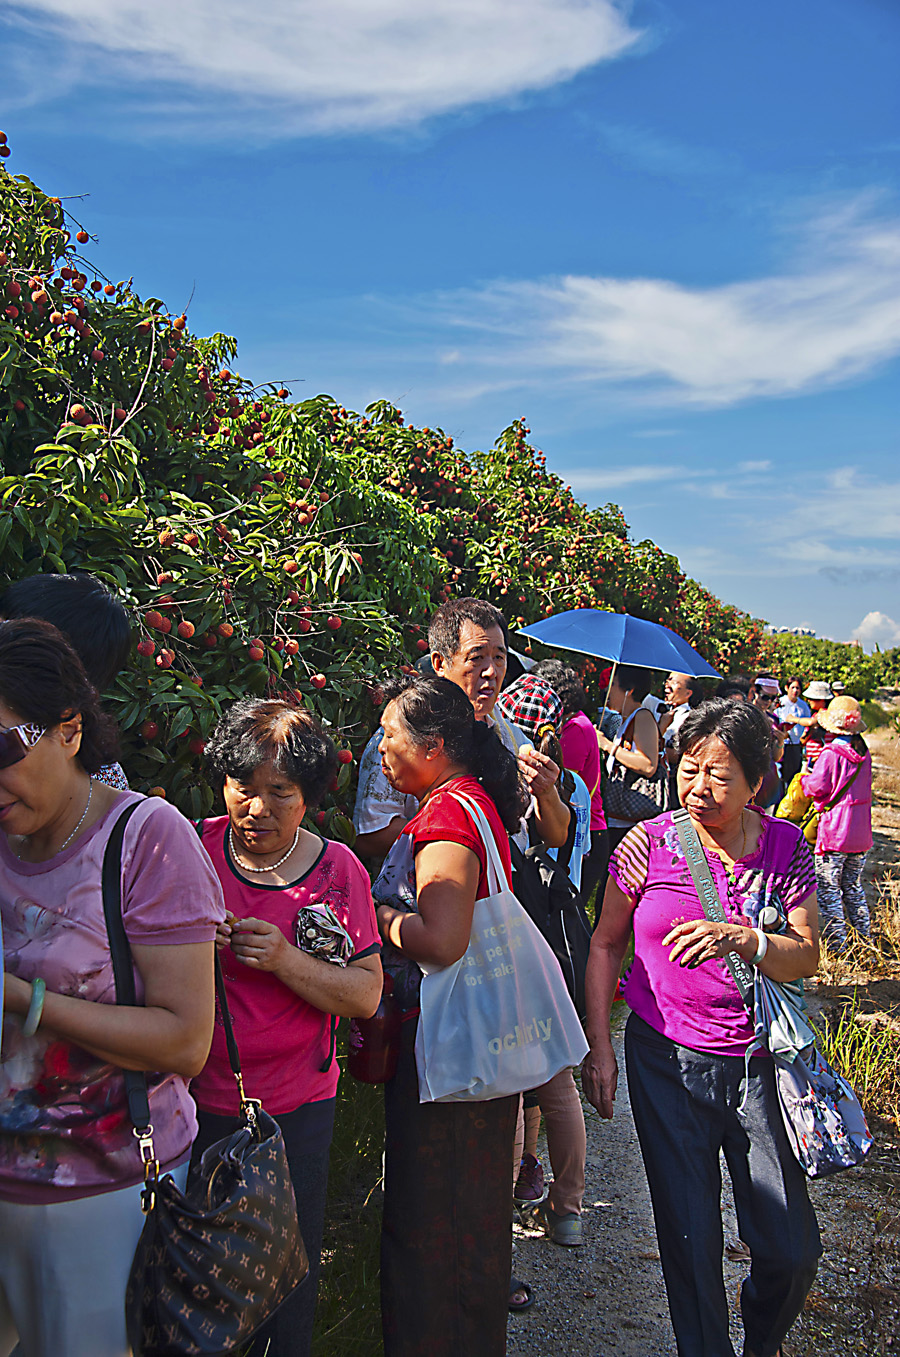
{"x":842,"y":780}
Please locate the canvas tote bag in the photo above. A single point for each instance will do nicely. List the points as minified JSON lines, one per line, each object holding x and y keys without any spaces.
{"x":499,"y":1020}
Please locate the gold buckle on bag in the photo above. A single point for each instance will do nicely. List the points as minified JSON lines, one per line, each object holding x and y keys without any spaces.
{"x":151,"y":1167}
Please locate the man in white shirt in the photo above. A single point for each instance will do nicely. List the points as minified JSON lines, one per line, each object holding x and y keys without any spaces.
{"x":470,"y":647}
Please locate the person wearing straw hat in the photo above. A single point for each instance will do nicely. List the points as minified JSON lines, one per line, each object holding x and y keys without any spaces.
{"x":841,"y":788}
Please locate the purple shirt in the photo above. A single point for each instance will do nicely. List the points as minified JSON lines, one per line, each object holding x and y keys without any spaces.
{"x":701,"y":1008}
{"x":64,"y":1125}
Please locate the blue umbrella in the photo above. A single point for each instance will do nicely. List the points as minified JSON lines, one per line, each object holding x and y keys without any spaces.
{"x":622,"y":639}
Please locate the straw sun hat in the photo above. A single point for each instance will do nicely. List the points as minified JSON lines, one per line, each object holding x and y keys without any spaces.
{"x":842,"y":716}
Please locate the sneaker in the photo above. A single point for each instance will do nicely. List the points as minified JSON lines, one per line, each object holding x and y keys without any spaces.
{"x":530,"y":1182}
{"x":561,"y":1229}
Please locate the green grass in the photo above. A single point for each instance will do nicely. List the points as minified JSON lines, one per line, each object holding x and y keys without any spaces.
{"x":868,"y":1054}
{"x":348,"y":1315}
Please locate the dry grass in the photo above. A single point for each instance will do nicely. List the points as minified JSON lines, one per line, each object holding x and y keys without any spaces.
{"x":885,"y":749}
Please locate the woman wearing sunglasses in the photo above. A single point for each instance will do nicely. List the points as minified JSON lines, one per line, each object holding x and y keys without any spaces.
{"x":70,"y":1167}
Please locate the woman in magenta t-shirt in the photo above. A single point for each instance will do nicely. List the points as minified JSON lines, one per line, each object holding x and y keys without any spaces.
{"x":581,"y":753}
{"x":272,"y":763}
{"x":693,"y":1086}
{"x":446,"y":1241}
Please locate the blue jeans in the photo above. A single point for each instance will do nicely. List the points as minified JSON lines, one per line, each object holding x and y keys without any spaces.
{"x":840,"y":892}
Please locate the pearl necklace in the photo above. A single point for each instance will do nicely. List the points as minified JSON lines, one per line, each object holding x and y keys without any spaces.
{"x":246,"y":866}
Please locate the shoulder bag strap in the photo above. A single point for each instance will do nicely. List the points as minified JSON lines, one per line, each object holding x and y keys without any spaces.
{"x":830,"y":805}
{"x":120,"y":951}
{"x":708,"y":896}
{"x":123,"y":971}
{"x":496,"y":872}
{"x":846,"y":787}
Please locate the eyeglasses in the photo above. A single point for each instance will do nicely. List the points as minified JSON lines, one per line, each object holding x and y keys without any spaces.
{"x":16,"y":741}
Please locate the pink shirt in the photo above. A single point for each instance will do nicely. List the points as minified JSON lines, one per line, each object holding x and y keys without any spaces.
{"x":847,"y":827}
{"x":64,"y":1125}
{"x":283,"y":1041}
{"x":701,"y":1008}
{"x":581,"y":753}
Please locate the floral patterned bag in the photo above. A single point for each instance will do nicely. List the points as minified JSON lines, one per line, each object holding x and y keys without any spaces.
{"x":825,"y":1124}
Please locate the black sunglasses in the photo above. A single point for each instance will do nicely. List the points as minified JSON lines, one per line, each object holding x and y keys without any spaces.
{"x":16,"y":741}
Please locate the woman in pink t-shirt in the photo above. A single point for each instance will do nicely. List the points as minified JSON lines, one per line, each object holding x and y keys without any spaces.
{"x":693,"y":1087}
{"x":70,"y":1167}
{"x":285,"y":890}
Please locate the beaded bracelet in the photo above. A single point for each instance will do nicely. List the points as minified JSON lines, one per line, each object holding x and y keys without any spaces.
{"x":35,"y":1008}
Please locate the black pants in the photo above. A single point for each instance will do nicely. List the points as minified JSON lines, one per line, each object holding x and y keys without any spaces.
{"x":446,"y":1241}
{"x":791,"y":762}
{"x":289,"y":1332}
{"x":685,"y":1106}
{"x":594,"y":866}
{"x":614,"y":837}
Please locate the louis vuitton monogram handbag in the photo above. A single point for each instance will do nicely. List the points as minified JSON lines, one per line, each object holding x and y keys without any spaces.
{"x":212,"y":1262}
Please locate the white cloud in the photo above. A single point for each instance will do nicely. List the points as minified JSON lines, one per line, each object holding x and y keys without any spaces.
{"x":877,"y":629}
{"x":836,"y":316}
{"x":325,"y":65}
{"x":754,"y":468}
{"x":616,"y":477}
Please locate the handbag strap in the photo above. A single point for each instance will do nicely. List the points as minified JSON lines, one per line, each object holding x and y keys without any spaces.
{"x":123,"y":971}
{"x":742,"y":973}
{"x":496,"y":872}
{"x":620,"y":736}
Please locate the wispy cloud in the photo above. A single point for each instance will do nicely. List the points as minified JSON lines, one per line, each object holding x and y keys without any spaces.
{"x":618,"y":477}
{"x":834,"y":317}
{"x":301,"y":66}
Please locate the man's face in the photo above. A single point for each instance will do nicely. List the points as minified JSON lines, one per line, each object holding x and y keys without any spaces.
{"x":478,"y":667}
{"x":677,"y":690}
{"x":793,"y":691}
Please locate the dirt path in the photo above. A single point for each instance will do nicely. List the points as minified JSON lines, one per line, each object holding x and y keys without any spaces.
{"x":606,"y":1299}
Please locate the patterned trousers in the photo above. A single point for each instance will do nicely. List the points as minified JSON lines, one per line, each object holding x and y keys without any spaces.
{"x":841,"y":896}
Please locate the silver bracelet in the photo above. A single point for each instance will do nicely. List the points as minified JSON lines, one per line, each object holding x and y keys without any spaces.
{"x":762,"y":946}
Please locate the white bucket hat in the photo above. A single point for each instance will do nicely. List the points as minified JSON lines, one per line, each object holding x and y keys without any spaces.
{"x":819,"y":691}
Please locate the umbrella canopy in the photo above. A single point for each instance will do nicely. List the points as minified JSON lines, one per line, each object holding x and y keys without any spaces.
{"x":622,"y":639}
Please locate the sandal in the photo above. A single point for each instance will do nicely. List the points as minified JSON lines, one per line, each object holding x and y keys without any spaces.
{"x":516,"y":1286}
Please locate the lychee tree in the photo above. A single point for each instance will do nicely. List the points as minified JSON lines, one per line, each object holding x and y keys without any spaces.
{"x":264,"y":545}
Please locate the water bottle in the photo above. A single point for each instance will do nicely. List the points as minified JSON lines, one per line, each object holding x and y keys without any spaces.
{"x":374,"y":1043}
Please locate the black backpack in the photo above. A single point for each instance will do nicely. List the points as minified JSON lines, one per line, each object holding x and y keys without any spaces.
{"x":543,"y":888}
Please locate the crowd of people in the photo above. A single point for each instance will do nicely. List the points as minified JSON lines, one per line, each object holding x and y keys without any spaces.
{"x":479,"y":743}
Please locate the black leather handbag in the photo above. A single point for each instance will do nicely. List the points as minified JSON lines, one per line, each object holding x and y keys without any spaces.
{"x":212,"y":1262}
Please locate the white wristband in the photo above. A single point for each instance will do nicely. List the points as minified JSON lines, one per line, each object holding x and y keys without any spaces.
{"x":762,"y":946}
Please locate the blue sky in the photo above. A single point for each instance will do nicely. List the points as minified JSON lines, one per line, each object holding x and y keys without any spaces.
{"x":666,"y":234}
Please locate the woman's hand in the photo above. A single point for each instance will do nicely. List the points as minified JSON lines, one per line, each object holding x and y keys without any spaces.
{"x":539,"y":772}
{"x":225,"y":930}
{"x":259,"y":944}
{"x":702,"y":940}
{"x":600,"y":1078}
{"x":605,"y":744}
{"x":389,"y":920}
